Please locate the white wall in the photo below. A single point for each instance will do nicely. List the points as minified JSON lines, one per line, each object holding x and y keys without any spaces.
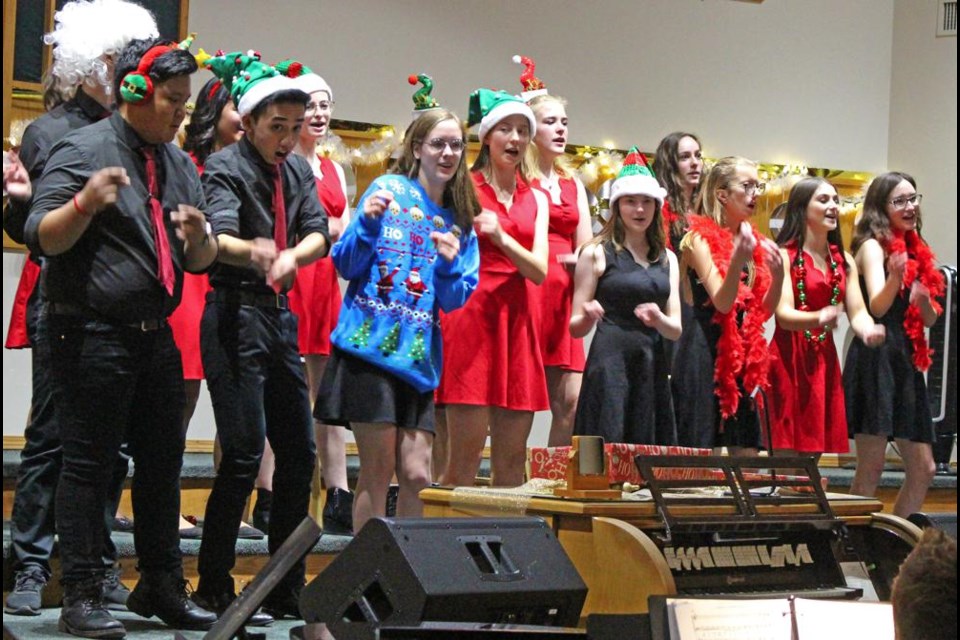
{"x":923,"y":118}
{"x":780,"y":81}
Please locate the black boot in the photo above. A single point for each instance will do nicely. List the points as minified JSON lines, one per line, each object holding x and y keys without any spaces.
{"x":83,"y":613}
{"x":218,"y":602}
{"x":261,"y":510}
{"x":164,"y":594}
{"x":338,"y":512}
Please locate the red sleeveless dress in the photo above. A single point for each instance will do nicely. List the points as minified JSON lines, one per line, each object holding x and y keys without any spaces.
{"x":315,"y":296}
{"x":491,"y":345}
{"x":185,"y":319}
{"x":555,"y":296}
{"x":807,"y":408}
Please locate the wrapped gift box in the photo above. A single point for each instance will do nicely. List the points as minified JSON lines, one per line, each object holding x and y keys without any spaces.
{"x":551,"y":462}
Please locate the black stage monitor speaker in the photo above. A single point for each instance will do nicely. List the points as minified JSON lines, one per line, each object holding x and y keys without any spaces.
{"x":405,"y":572}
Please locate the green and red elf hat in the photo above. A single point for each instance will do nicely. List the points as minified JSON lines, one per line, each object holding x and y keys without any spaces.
{"x":248,"y":79}
{"x":636,"y":179}
{"x":490,"y":107}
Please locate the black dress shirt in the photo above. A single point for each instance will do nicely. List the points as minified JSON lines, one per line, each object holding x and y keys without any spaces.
{"x":112,"y":269}
{"x":37,"y":142}
{"x":238,"y":184}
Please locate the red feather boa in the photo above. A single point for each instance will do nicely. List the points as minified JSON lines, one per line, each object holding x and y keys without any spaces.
{"x":742,"y":349}
{"x":668,"y":219}
{"x":920,"y":266}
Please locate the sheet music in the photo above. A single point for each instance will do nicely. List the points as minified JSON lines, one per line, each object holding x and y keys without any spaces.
{"x":705,"y":619}
{"x":839,"y":619}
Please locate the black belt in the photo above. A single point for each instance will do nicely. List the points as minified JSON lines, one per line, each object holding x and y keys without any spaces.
{"x":249,"y":298}
{"x":69,"y":310}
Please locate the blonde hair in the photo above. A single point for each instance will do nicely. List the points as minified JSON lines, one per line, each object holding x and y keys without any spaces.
{"x":721,"y":176}
{"x":562,"y":163}
{"x":482,"y":162}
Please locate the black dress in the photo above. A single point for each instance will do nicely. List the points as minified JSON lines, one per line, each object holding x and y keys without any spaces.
{"x":886,"y":395}
{"x":694,"y":389}
{"x":625,"y":396}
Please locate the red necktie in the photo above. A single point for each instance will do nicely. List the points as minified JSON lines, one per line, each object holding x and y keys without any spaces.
{"x":164,"y":262}
{"x":279,"y":210}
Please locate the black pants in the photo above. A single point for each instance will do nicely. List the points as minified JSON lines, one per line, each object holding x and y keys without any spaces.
{"x":32,"y":525}
{"x":258,"y":389}
{"x":112,"y":382}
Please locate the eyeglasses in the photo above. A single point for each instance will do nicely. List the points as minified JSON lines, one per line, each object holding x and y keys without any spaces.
{"x":324,"y":106}
{"x":903,"y":201}
{"x":751,"y":188}
{"x":439,"y":144}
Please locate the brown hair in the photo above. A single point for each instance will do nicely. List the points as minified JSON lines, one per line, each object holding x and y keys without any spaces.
{"x":795,"y":215}
{"x":459,"y":193}
{"x":874,"y":221}
{"x":614,"y":232}
{"x":924,"y":594}
{"x":667,"y":165}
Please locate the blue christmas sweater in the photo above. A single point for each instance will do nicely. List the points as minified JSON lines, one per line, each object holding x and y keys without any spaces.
{"x":398,"y":282}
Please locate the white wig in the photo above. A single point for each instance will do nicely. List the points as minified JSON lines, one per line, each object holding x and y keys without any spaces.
{"x":87,"y":30}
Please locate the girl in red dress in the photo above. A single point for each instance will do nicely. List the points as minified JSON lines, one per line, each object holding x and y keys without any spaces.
{"x":569,"y":228}
{"x":885,"y":387}
{"x":807,"y":410}
{"x":214,"y":124}
{"x":493,"y":373}
{"x":315,"y":299}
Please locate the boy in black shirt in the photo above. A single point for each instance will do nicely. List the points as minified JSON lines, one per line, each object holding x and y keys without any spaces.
{"x":117,"y":215}
{"x":268,"y":220}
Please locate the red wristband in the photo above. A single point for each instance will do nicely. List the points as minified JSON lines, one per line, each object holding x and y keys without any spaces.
{"x":80,"y":210}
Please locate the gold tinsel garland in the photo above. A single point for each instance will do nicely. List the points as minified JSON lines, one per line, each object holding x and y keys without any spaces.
{"x":372,"y":153}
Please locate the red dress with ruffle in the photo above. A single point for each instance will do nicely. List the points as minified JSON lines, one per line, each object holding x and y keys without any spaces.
{"x":807,"y":408}
{"x":185,"y":319}
{"x":555,"y":296}
{"x":491,"y":345}
{"x":315,"y":296}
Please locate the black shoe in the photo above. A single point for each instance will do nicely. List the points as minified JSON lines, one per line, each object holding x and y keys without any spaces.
{"x":219,"y":602}
{"x":84,"y":615}
{"x":165,"y":595}
{"x":393,"y":492}
{"x":338,"y":512}
{"x":283,"y":604}
{"x":27,"y":593}
{"x":261,"y":510}
{"x":123,"y":524}
{"x":115,"y":593}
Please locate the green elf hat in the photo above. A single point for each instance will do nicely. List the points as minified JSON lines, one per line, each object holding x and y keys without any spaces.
{"x":532,"y":85}
{"x":636,"y":179}
{"x":249,"y":80}
{"x":490,"y":107}
{"x":422,"y":100}
{"x":305,"y":79}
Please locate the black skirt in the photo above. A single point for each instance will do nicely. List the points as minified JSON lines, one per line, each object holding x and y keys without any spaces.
{"x":355,"y":391}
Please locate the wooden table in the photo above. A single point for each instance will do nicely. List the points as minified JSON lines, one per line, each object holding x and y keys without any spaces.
{"x":605,"y":540}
